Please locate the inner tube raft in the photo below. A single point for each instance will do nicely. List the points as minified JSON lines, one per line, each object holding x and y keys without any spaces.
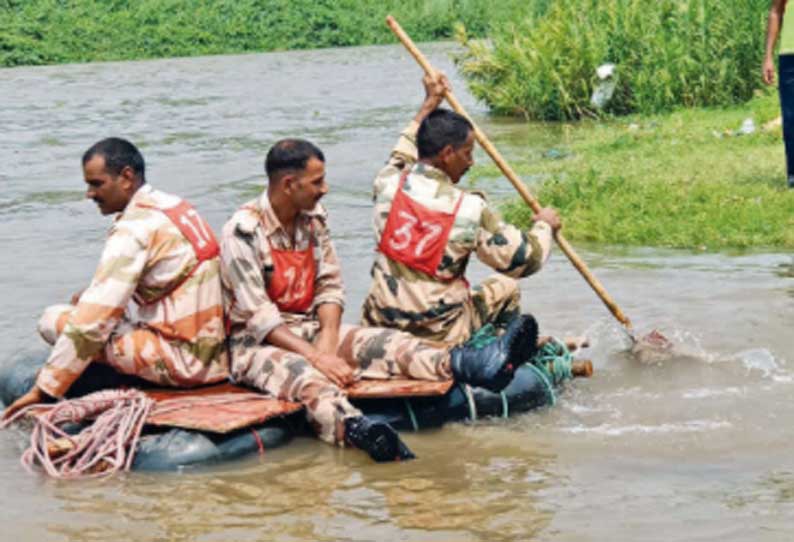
{"x":164,"y":449}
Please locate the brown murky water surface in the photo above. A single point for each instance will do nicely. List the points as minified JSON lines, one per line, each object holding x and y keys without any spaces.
{"x":697,"y":447}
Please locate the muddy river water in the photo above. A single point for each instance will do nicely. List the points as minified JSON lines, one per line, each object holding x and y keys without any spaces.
{"x":699,"y":446}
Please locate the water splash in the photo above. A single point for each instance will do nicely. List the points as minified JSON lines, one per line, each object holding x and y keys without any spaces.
{"x":693,"y":426}
{"x":760,"y":359}
{"x":675,"y":344}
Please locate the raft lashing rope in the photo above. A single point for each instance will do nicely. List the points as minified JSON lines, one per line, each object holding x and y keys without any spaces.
{"x":552,"y":363}
{"x":107,"y":445}
{"x":101,"y":448}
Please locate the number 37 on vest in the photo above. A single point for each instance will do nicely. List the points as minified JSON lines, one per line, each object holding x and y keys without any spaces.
{"x":415,"y":235}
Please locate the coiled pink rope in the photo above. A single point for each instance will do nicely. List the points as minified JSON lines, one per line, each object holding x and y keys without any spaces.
{"x":101,"y":449}
{"x":108,"y":445}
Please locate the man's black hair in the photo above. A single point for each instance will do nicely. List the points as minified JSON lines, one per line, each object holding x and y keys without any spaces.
{"x":118,"y":154}
{"x":440,"y":128}
{"x":290,"y":155}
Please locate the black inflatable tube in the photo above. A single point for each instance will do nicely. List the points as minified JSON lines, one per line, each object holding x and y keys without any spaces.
{"x":178,"y":448}
{"x":527,"y":391}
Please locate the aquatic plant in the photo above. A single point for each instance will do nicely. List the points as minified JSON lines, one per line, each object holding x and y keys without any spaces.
{"x":542,"y":63}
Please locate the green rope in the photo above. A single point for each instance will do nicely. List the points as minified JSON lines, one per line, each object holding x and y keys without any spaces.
{"x":467,"y":391}
{"x":551,"y":363}
{"x":505,"y":405}
{"x":554,"y":360}
{"x":483,"y":337}
{"x":411,"y":414}
{"x":550,"y":395}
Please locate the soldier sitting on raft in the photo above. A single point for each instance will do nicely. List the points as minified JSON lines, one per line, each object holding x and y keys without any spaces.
{"x":284,"y":301}
{"x":427,"y":229}
{"x":159,"y":253}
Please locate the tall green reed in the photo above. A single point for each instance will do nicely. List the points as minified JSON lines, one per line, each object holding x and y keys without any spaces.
{"x":669,"y":53}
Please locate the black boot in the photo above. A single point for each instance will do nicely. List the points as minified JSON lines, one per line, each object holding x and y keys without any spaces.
{"x":378,"y":439}
{"x":491,"y":366}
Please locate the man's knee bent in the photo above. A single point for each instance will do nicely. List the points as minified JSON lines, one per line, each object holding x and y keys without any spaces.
{"x":499,"y":290}
{"x":53,"y":321}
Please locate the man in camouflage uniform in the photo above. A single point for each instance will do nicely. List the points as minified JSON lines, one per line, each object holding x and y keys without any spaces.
{"x":431,"y":298}
{"x":160,"y":254}
{"x":284,"y":300}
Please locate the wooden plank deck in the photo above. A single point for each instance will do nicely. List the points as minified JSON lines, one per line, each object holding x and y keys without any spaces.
{"x":223,"y":408}
{"x":381,"y":389}
{"x":218,"y":409}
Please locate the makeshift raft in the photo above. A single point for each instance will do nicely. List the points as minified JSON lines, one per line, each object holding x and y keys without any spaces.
{"x":219,"y":423}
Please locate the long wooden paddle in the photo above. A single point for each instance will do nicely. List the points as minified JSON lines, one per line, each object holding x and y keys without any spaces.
{"x":486,"y":144}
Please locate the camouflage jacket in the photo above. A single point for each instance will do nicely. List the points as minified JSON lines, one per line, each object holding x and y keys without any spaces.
{"x":146,"y":259}
{"x":400,"y":297}
{"x":247,"y":266}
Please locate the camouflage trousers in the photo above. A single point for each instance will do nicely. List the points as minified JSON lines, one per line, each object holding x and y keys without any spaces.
{"x":496,"y":300}
{"x":139,"y":351}
{"x":372,"y":353}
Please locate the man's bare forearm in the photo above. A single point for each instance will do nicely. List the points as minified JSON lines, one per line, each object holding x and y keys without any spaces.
{"x":330,"y":317}
{"x":285,"y":339}
{"x":435,"y":89}
{"x":773,"y":26}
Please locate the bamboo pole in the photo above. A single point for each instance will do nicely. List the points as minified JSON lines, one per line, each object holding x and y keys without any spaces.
{"x":486,"y":144}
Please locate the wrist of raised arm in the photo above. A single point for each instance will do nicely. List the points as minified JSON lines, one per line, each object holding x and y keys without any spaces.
{"x":422,"y":114}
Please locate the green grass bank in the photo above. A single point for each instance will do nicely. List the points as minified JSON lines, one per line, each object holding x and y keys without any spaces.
{"x":541,"y":63}
{"x":687,"y":179}
{"x":56,"y":31}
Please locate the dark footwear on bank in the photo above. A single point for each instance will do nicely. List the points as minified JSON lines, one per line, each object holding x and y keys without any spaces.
{"x":492,"y":365}
{"x":378,"y":439}
{"x":791,"y":182}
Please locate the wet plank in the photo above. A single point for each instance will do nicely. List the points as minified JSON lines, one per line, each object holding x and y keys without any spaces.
{"x":223,"y":408}
{"x":218,"y":409}
{"x":380,"y":389}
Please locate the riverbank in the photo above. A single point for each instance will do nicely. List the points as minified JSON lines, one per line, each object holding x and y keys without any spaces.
{"x":693,"y":448}
{"x":34,"y":32}
{"x":689,"y":179}
{"x":674,"y":180}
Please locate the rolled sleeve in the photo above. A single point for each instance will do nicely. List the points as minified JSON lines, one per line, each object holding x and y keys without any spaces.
{"x":405,"y":153}
{"x":241,"y":271}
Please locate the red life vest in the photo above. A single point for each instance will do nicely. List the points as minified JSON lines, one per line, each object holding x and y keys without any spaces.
{"x":198,"y":233}
{"x":291,"y":287}
{"x":195,"y":229}
{"x":415,"y":235}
